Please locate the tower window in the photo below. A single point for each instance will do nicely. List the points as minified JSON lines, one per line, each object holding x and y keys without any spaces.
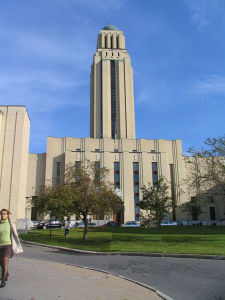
{"x":113,"y":99}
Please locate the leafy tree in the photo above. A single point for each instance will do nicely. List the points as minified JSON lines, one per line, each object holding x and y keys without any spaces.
{"x":85,"y":191}
{"x":156,"y":201}
{"x":194,"y":208}
{"x":207,"y":167}
{"x":92,"y":192}
{"x":55,"y":201}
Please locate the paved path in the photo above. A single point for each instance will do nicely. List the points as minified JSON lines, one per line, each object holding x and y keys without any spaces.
{"x":179,"y":278}
{"x":34,"y":279}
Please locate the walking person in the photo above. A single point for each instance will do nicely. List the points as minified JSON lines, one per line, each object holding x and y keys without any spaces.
{"x":9,"y":243}
{"x":67,"y":227}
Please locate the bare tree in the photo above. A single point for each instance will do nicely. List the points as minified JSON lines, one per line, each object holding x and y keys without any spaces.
{"x":207,"y":167}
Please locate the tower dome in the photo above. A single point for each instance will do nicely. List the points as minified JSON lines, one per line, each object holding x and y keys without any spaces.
{"x":110,"y":27}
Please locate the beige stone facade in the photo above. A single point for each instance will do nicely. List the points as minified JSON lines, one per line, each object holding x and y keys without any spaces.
{"x":112,"y":92}
{"x":14,"y":144}
{"x":125,"y":152}
{"x":132,"y":163}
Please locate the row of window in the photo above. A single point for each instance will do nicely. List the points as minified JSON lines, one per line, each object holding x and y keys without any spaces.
{"x":115,"y":150}
{"x":116,"y":172}
{"x":112,"y":53}
{"x":135,"y":179}
{"x":110,"y":44}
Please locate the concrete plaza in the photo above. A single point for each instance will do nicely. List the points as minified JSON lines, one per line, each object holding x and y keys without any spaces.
{"x":32,"y":279}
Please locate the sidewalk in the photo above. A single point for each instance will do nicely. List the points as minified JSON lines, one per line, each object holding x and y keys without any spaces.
{"x":32,"y":279}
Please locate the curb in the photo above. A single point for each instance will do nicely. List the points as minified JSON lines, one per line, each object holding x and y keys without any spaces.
{"x":198,"y":256}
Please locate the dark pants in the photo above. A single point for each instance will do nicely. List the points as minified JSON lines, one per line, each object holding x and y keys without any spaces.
{"x":66,"y":231}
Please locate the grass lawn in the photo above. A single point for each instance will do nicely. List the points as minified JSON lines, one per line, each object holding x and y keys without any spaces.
{"x":176,"y":239}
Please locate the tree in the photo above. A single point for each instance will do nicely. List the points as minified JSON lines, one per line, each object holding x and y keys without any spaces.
{"x":85,"y":191}
{"x":156,"y":201}
{"x":194,"y":208}
{"x":207,"y":168}
{"x":55,"y":201}
{"x":92,"y":192}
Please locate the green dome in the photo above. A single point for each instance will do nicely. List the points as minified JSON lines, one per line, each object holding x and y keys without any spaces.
{"x":110,"y":27}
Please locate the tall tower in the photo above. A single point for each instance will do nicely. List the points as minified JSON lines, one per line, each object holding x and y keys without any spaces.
{"x":112,"y":92}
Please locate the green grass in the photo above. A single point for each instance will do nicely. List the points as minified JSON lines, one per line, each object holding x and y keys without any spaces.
{"x":181,"y":239}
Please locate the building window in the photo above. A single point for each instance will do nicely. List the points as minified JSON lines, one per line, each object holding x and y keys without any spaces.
{"x":113,"y":98}
{"x":78,"y":150}
{"x":135,"y":166}
{"x":212,"y":213}
{"x":116,"y":150}
{"x":97,"y":165}
{"x":154,"y":174}
{"x":77,"y":164}
{"x":134,"y":151}
{"x":116,"y":175}
{"x":77,"y":167}
{"x":152,"y":151}
{"x":136,"y":190}
{"x":34,"y":212}
{"x":58,"y":173}
{"x":173,"y":191}
{"x":97,"y":150}
{"x":172,"y":181}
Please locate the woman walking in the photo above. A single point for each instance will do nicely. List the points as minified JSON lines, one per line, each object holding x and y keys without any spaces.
{"x":8,"y":235}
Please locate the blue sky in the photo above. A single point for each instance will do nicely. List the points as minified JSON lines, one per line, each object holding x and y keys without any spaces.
{"x":177,"y":50}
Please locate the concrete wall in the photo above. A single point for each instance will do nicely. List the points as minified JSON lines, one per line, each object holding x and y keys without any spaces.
{"x":111,"y":46}
{"x":14,"y":144}
{"x":164,"y":152}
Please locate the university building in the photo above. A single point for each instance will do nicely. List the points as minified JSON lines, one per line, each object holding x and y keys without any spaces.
{"x":112,"y":143}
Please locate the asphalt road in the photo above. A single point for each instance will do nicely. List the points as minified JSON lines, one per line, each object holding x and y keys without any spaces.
{"x":179,"y":278}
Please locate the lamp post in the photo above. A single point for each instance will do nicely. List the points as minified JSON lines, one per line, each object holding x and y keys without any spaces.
{"x":26,"y":208}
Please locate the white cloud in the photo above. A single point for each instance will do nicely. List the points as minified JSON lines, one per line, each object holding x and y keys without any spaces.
{"x":204,"y":12}
{"x":50,"y":47}
{"x":32,"y":88}
{"x":214,"y":84}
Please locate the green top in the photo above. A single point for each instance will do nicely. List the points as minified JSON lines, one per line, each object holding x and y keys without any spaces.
{"x":110,"y":27}
{"x":5,"y":238}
